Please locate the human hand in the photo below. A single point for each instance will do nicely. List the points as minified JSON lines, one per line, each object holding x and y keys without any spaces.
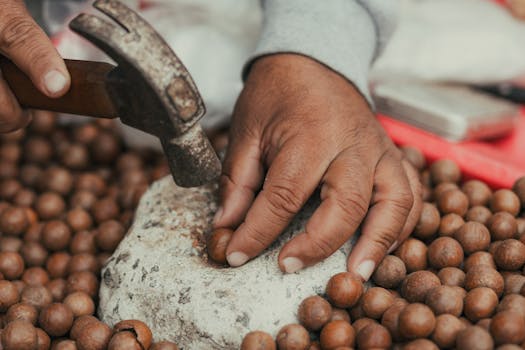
{"x":30,"y":49}
{"x":308,"y":126}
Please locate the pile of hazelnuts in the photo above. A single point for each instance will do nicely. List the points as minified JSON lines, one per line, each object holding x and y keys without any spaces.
{"x":67,"y":198}
{"x":458,"y":281}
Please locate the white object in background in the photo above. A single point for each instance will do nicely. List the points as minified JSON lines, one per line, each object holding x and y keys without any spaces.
{"x":212,"y":38}
{"x":468,"y":41}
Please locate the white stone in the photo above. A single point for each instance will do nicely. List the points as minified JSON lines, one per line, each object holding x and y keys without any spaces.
{"x":160,"y":274}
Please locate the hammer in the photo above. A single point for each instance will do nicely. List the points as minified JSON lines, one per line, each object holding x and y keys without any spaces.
{"x":149,"y":89}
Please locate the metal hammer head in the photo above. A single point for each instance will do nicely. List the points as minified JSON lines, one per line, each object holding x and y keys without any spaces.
{"x":152,"y":89}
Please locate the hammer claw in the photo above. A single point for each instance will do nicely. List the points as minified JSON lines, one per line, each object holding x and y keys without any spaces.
{"x":119,"y":13}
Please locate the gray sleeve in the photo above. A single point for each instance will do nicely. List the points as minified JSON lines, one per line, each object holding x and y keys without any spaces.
{"x":345,"y":35}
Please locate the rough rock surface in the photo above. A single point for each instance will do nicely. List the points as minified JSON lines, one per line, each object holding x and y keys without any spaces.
{"x":160,"y":274}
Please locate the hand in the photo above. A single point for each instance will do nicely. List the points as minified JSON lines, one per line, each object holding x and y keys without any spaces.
{"x":30,"y":49}
{"x":308,"y":126}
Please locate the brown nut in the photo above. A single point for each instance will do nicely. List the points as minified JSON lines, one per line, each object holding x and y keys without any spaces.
{"x":374,"y":336}
{"x":444,"y":170}
{"x":473,"y":237}
{"x":428,"y":223}
{"x":314,"y":312}
{"x":293,"y":337}
{"x":445,"y":252}
{"x":477,"y":192}
{"x":505,"y":200}
{"x":484,"y":276}
{"x":258,"y":340}
{"x":510,"y":255}
{"x":56,"y":319}
{"x":446,"y":330}
{"x":452,"y":276}
{"x":217,"y":243}
{"x":19,"y":335}
{"x":449,"y":224}
{"x":453,"y":201}
{"x":139,"y":328}
{"x":344,"y":290}
{"x":375,"y":301}
{"x":390,"y":272}
{"x":445,"y":300}
{"x":413,"y":253}
{"x":416,"y":321}
{"x":479,"y":214}
{"x":480,"y":303}
{"x":416,"y":285}
{"x":337,"y":334}
{"x":508,"y":327}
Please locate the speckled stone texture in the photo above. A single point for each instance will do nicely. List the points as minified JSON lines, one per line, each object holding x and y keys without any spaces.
{"x":160,"y":274}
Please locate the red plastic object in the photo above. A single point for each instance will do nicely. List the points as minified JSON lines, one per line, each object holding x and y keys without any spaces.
{"x":498,"y":162}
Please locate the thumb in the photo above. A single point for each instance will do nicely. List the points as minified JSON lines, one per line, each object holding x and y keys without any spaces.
{"x":26,"y":44}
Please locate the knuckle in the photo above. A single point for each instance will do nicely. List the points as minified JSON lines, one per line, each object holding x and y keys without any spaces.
{"x":384,"y":240}
{"x":256,"y":239}
{"x":17,"y":31}
{"x":354,"y":206}
{"x":284,"y":199}
{"x":403,"y":202}
{"x":323,"y":247}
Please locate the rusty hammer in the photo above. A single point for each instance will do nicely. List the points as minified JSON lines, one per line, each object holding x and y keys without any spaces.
{"x":150,"y":89}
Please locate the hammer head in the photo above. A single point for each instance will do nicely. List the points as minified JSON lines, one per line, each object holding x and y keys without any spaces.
{"x":152,"y":89}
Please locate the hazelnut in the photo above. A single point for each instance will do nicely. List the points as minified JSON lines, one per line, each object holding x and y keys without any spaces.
{"x":83,"y":262}
{"x":484,"y":276}
{"x":473,"y":237}
{"x":420,"y":344}
{"x":314,"y":312}
{"x":451,"y":276}
{"x":444,"y":187}
{"x":11,"y":265}
{"x":449,"y":224}
{"x":22,"y":311}
{"x":29,"y":174}
{"x":416,"y":285}
{"x":49,"y":205}
{"x":416,"y":321}
{"x":361,"y":323}
{"x":505,"y":200}
{"x":35,"y":276}
{"x":124,"y":341}
{"x":38,"y":296}
{"x":293,"y":337}
{"x":19,"y":335}
{"x":42,"y":339}
{"x":414,"y":157}
{"x":445,"y":300}
{"x":83,"y":199}
{"x":75,"y":157}
{"x":428,"y":223}
{"x":24,"y":198}
{"x":217,"y":243}
{"x":413,"y":253}
{"x":95,"y":335}
{"x":340,"y":314}
{"x":105,"y":209}
{"x":79,"y":324}
{"x":484,"y":323}
{"x":56,"y":235}
{"x":519,"y":189}
{"x":57,"y":179}
{"x":502,"y":226}
{"x":91,"y":182}
{"x":445,"y":252}
{"x":446,"y":330}
{"x":477,"y":259}
{"x":83,"y":242}
{"x":375,"y":301}
{"x":139,"y":328}
{"x":9,"y":295}
{"x":57,"y":264}
{"x":390,"y":318}
{"x":9,"y":188}
{"x":480,"y":303}
{"x":13,"y":221}
{"x":390,"y":272}
{"x":85,"y":133}
{"x":79,"y":219}
{"x":57,"y":288}
{"x":111,"y":232}
{"x":10,"y":244}
{"x":336,"y":334}
{"x":478,"y":192}
{"x":258,"y":340}
{"x":444,"y":170}
{"x":56,"y":319}
{"x":479,"y":214}
{"x":374,"y":336}
{"x":33,"y":253}
{"x":510,"y":255}
{"x":453,"y":201}
{"x":513,"y":283}
{"x":80,"y":304}
{"x":105,"y":147}
{"x":508,"y":327}
{"x":344,"y":290}
{"x":512,"y":302}
{"x":82,"y":281}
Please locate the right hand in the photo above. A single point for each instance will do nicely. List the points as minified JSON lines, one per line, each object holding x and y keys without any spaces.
{"x":26,"y":44}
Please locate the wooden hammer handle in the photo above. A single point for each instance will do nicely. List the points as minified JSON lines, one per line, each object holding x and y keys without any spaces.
{"x":87,"y":95}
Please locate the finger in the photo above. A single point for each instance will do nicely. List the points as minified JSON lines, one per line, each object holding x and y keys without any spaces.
{"x":285,"y":190}
{"x":345,"y":196}
{"x":242,"y":175}
{"x":390,"y":206}
{"x":12,"y":117}
{"x":415,"y":211}
{"x":26,"y":44}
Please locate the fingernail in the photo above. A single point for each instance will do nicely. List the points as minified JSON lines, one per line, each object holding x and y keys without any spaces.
{"x":392,"y":247}
{"x":237,"y":259}
{"x":54,"y":81}
{"x":218,"y":216}
{"x":292,"y":264}
{"x":365,"y":269}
